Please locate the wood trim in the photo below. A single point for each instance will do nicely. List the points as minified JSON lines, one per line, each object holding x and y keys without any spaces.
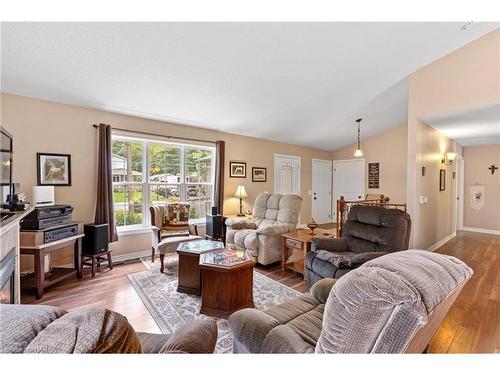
{"x":441,"y":242}
{"x":481,"y":230}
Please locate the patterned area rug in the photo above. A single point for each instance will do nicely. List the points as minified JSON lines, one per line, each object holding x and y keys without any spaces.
{"x":170,"y":309}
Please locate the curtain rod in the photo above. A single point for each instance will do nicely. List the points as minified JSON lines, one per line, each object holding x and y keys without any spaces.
{"x":159,"y":135}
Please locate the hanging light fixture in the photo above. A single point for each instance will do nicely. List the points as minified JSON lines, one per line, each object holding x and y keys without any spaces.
{"x":358,"y":153}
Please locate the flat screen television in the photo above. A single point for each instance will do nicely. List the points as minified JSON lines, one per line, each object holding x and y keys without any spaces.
{"x":6,"y":153}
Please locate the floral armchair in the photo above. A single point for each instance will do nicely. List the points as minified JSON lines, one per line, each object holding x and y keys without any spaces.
{"x":171,"y":226}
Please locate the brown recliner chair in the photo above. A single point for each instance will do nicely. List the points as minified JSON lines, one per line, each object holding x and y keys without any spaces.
{"x":370,"y":232}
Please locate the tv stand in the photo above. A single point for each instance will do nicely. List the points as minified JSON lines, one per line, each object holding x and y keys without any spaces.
{"x":39,"y":280}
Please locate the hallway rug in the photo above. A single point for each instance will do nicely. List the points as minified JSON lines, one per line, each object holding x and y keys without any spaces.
{"x":170,"y":309}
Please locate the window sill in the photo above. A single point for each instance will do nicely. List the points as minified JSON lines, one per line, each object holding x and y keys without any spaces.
{"x":197,"y":221}
{"x":132,"y":231}
{"x":147,"y":229}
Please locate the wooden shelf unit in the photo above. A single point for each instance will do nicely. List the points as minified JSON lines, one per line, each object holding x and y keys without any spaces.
{"x":38,"y":280}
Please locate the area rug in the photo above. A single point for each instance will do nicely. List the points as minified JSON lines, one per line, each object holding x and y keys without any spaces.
{"x":170,"y":309}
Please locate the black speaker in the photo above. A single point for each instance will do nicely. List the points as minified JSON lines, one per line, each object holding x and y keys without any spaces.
{"x":215,"y":210}
{"x":214,"y":225}
{"x":96,"y":238}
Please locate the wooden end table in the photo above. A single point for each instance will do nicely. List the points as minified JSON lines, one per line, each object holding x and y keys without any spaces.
{"x":227,"y":282}
{"x":300,"y":242}
{"x":189,"y":279}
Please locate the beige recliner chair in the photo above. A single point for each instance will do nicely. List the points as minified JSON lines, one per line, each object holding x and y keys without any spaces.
{"x":273,"y":215}
{"x":392,"y":304}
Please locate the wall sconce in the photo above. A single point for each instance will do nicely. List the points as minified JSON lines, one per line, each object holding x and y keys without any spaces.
{"x":448,"y":158}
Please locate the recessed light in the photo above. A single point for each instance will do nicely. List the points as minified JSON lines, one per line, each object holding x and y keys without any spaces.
{"x":467,"y":25}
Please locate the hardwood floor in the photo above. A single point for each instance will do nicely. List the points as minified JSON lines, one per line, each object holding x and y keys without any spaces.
{"x":471,"y":326}
{"x":473,"y":323}
{"x":109,"y":289}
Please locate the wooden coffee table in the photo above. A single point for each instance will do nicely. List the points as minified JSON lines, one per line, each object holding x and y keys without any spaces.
{"x":189,"y":279}
{"x":298,"y":243}
{"x":226,"y":282}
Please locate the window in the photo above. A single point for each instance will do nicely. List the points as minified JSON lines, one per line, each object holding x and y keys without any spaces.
{"x":151,"y":172}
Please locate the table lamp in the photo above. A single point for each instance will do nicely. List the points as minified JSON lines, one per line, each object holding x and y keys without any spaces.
{"x":241,"y":193}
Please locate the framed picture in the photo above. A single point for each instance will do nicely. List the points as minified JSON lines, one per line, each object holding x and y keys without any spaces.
{"x":259,"y":174}
{"x":237,"y":169}
{"x":442,"y":179}
{"x":53,"y":169}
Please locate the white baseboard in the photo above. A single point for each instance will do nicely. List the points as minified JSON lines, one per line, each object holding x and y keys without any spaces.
{"x":130,"y":256}
{"x":441,"y":242}
{"x":120,"y":258}
{"x":481,"y":230}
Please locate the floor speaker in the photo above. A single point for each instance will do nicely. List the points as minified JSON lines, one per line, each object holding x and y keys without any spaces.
{"x":214,"y":225}
{"x":96,"y":238}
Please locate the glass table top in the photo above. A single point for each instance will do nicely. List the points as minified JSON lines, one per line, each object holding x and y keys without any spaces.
{"x":200,"y":246}
{"x":225,"y":258}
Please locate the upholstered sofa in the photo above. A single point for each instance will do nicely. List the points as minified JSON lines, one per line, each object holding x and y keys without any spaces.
{"x":170,"y":226}
{"x":369,"y":232}
{"x":47,"y":329}
{"x":273,"y":215}
{"x":392,"y":304}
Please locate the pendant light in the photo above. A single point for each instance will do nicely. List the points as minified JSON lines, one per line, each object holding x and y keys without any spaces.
{"x":358,"y":153}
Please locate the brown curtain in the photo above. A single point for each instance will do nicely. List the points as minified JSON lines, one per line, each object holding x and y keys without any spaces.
{"x":219,"y":176}
{"x":104,"y":206}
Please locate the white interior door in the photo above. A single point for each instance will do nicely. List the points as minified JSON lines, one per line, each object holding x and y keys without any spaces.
{"x":348,"y":181}
{"x":286,"y":174}
{"x":322,"y":190}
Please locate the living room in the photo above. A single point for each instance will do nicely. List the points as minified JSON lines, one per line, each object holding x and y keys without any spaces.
{"x":183,"y":187}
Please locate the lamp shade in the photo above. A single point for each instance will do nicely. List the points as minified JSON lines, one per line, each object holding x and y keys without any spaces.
{"x":240,"y":192}
{"x":358,"y":153}
{"x":451,"y":155}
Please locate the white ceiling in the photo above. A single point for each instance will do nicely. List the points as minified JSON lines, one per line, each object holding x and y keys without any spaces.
{"x":301,"y":83}
{"x":472,"y":128}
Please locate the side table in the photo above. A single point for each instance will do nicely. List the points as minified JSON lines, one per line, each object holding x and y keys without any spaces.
{"x":189,"y":279}
{"x":300,"y":242}
{"x":227,"y":282}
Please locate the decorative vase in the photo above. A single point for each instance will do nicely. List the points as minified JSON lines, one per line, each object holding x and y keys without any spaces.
{"x":312,"y":225}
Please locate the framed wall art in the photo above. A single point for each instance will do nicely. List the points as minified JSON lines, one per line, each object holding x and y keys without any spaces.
{"x":373,"y":175}
{"x":442,"y":179}
{"x":53,"y":169}
{"x":237,"y":169}
{"x":259,"y":174}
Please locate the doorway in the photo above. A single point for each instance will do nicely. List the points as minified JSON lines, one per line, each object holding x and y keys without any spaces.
{"x":348,"y":181}
{"x":286,"y":174}
{"x":322,"y":190}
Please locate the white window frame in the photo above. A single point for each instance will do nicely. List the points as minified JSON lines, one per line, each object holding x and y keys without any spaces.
{"x":146,"y":184}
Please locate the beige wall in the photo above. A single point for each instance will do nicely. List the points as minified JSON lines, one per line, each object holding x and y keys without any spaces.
{"x":477,"y":160}
{"x":388,"y":149}
{"x":466,"y":79}
{"x":437,"y":211}
{"x":42,"y":126}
